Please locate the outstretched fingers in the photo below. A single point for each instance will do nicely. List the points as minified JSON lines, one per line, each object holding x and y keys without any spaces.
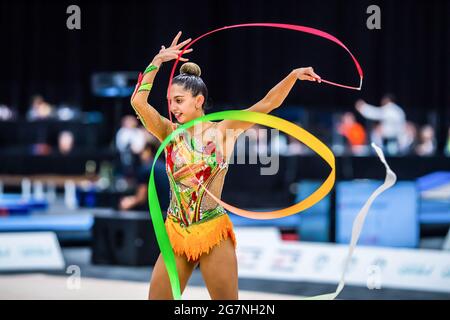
{"x":182,"y":44}
{"x":175,"y":40}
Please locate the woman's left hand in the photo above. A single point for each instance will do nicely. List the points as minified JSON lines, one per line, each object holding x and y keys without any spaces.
{"x":307,"y":74}
{"x":127,"y":203}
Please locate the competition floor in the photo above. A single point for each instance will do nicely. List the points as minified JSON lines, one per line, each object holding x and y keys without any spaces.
{"x":111,"y":282}
{"x":55,"y":287}
{"x":119,"y":282}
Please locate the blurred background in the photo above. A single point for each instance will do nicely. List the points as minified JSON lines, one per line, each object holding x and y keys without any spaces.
{"x":75,"y":161}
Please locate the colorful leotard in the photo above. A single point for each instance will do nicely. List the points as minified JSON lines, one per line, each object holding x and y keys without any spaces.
{"x":195,"y":222}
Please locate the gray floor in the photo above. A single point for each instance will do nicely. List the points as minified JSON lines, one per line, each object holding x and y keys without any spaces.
{"x":81,"y":257}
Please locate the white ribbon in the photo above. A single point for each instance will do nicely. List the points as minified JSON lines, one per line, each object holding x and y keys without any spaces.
{"x":358,"y":224}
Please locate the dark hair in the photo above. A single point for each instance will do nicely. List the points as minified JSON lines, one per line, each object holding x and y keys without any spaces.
{"x":189,"y":78}
{"x":36,"y":96}
{"x":389,"y":96}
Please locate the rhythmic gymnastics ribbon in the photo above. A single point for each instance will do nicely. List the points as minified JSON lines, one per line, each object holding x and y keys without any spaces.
{"x":271,"y":121}
{"x":294,"y":27}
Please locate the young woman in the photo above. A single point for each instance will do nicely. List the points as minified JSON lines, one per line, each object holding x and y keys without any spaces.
{"x":199,"y":229}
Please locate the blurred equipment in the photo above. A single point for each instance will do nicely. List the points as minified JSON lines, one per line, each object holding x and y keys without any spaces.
{"x":446,"y":245}
{"x":434,"y":191}
{"x":116,"y":85}
{"x":315,"y":222}
{"x":124,"y":238}
{"x":16,"y":205}
{"x":393,"y":219}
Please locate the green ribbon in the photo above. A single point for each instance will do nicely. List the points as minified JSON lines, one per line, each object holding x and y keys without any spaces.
{"x":150,"y":68}
{"x":145,"y":87}
{"x":153,"y":202}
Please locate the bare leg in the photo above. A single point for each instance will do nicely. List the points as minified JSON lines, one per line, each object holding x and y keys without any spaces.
{"x":220,"y":272}
{"x":160,"y":288}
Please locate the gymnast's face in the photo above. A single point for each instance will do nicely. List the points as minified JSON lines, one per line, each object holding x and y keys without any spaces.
{"x":183,"y":105}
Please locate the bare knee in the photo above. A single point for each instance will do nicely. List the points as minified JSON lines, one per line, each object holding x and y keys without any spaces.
{"x":160,"y":287}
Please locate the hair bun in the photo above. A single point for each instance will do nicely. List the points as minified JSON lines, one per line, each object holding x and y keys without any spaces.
{"x":191,"y":69}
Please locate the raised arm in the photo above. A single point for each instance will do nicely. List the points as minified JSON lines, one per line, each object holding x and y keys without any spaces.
{"x":152,"y":120}
{"x":369,"y":111}
{"x":273,"y":99}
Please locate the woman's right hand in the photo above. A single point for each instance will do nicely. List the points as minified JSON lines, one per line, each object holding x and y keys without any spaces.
{"x":359,"y":104}
{"x":172,"y":52}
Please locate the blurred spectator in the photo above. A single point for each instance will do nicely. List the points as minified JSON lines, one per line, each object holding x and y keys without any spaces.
{"x":447,"y":145}
{"x":408,"y":140}
{"x":65,"y":142}
{"x":267,"y":141}
{"x":130,"y":142}
{"x":260,"y":141}
{"x":139,"y":200}
{"x":41,"y":149}
{"x":67,"y":112}
{"x":130,"y":136}
{"x":427,"y":144}
{"x":294,"y":147}
{"x":376,"y":135}
{"x":39,"y":109}
{"x":6,"y":113}
{"x":354,"y":132}
{"x":392,"y":119}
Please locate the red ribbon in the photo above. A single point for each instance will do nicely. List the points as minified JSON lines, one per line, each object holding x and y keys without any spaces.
{"x":309,"y":30}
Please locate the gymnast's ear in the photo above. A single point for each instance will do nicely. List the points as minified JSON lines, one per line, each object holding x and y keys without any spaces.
{"x":199,"y":101}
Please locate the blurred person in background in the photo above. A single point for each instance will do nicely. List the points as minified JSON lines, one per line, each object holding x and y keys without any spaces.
{"x":263,"y":141}
{"x":65,"y":142}
{"x":130,"y":136}
{"x":376,"y":135}
{"x":392,"y":119}
{"x":427,"y":141}
{"x":294,"y":147}
{"x":354,"y":133}
{"x":6,"y":113}
{"x":447,"y":145}
{"x":408,"y":141}
{"x":130,"y":142}
{"x":39,"y":109}
{"x":138,"y":201}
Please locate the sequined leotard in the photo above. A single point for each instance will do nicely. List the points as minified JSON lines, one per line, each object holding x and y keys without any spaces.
{"x":195,"y":222}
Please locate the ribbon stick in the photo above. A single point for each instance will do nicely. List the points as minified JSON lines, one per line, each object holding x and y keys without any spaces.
{"x":141,"y":76}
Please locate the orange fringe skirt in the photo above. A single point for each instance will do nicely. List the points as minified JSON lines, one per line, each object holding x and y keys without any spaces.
{"x":199,"y":238}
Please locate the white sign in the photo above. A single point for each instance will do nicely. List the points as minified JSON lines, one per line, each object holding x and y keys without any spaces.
{"x":27,"y":251}
{"x":371,"y":267}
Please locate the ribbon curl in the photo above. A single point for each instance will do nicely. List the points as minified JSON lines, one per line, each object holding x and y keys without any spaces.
{"x":294,"y":27}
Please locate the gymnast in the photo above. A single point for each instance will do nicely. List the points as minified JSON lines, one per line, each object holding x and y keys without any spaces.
{"x":200,"y":231}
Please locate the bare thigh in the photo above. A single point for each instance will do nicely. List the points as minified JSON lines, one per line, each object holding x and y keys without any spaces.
{"x":220,"y":272}
{"x":160,"y":288}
